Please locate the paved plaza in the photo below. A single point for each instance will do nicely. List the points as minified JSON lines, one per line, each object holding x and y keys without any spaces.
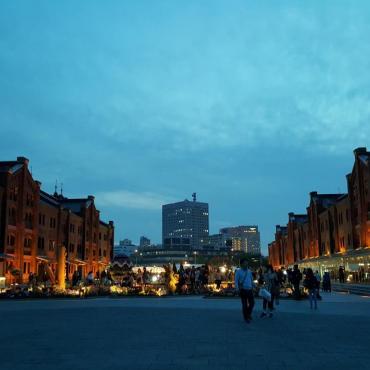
{"x":183,"y":333}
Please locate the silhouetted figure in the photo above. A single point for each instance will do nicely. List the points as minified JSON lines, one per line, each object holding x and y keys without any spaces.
{"x":341,"y":275}
{"x":296,"y":277}
{"x":218,"y":279}
{"x":270,"y":282}
{"x":244,"y":285}
{"x":192,"y":279}
{"x":75,"y":278}
{"x":326,"y":283}
{"x":310,"y":282}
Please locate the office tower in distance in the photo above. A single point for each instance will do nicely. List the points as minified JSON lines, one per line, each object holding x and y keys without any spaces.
{"x":243,"y":238}
{"x":144,"y":242}
{"x":126,"y":247}
{"x":184,"y":224}
{"x":215,"y":242}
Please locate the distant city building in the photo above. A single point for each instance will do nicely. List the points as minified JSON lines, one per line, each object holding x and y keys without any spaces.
{"x":161,"y":256}
{"x":125,"y":242}
{"x":117,"y":249}
{"x":184,"y":224}
{"x":125,"y":247}
{"x":242,"y":238}
{"x":144,"y":242}
{"x":215,"y":242}
{"x":235,"y":243}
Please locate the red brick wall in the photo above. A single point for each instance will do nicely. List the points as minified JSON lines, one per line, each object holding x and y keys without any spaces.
{"x":47,"y":226}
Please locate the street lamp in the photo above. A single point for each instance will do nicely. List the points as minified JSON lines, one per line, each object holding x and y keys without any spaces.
{"x":135,"y":257}
{"x":195,"y":257}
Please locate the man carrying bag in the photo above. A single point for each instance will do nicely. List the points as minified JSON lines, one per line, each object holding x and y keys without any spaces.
{"x":244,"y":285}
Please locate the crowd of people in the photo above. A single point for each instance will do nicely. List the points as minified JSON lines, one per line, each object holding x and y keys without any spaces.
{"x":200,"y":279}
{"x":268,"y":284}
{"x":189,"y":279}
{"x":266,"y":281}
{"x":196,"y":280}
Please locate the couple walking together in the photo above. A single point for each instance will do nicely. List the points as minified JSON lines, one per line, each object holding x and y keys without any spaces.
{"x":244,"y":284}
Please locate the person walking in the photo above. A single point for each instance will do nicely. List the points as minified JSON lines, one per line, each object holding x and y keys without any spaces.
{"x":310,"y":282}
{"x":270,"y":282}
{"x":244,"y":285}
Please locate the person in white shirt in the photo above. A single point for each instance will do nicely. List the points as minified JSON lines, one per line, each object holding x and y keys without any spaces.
{"x":244,"y":285}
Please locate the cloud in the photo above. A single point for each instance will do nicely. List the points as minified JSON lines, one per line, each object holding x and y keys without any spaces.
{"x":299,"y":73}
{"x":189,"y":95}
{"x":133,"y":200}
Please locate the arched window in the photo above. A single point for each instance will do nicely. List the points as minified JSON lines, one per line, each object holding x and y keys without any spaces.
{"x":27,"y":246}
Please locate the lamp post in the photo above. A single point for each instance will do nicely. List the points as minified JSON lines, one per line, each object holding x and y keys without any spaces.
{"x":195,"y":257}
{"x":135,"y":257}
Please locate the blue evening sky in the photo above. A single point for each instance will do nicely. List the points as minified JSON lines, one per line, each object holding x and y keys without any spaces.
{"x":252,"y":104}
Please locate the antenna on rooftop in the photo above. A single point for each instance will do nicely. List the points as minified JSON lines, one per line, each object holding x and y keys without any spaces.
{"x":61,"y":188}
{"x":194,"y":195}
{"x":56,"y":188}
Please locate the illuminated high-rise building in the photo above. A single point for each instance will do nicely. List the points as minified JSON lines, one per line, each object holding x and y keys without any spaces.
{"x":243,"y":238}
{"x":184,"y":224}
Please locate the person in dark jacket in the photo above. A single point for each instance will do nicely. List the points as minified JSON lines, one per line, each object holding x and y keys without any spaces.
{"x":326,"y":283}
{"x":310,"y":282}
{"x":270,"y":283}
{"x":341,"y":275}
{"x":296,"y":277}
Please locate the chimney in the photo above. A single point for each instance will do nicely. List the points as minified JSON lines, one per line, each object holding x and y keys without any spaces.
{"x":23,"y":160}
{"x":358,"y":151}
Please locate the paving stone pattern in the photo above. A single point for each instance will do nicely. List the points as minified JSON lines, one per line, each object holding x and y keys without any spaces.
{"x":183,"y":333}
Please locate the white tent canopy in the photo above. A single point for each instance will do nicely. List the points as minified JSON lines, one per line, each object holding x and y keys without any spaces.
{"x":150,"y":269}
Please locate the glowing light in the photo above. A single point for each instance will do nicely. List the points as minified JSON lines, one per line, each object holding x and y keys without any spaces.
{"x":223,"y":269}
{"x":154,"y":278}
{"x":118,"y":290}
{"x":2,"y":282}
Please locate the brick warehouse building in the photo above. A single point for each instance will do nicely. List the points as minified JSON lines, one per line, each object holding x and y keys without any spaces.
{"x":35,"y":225}
{"x":334,"y":232}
